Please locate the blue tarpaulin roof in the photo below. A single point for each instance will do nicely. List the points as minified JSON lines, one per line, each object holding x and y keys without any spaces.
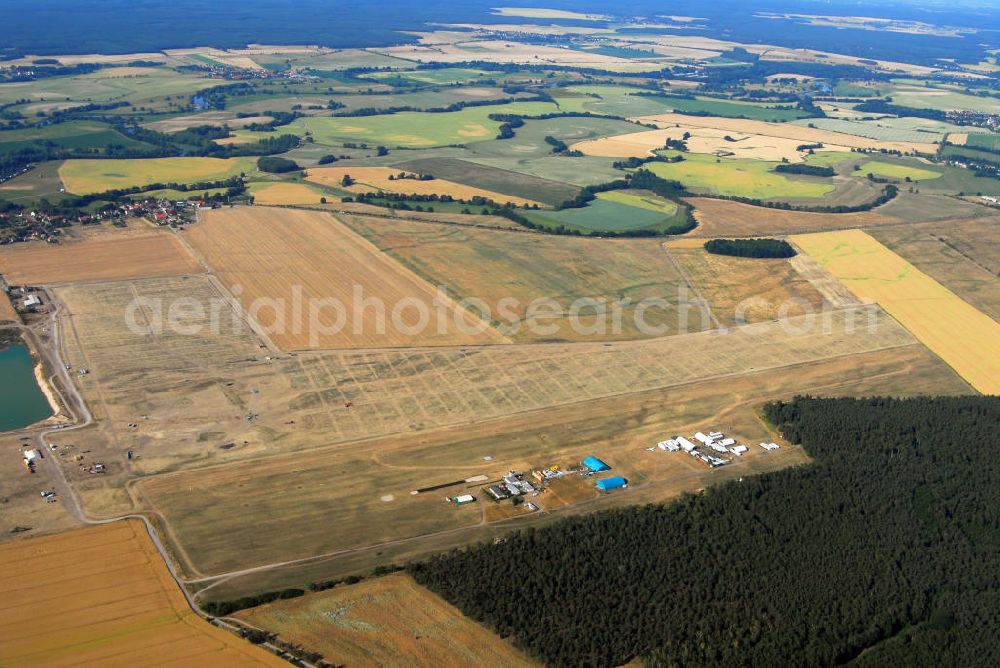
{"x":613,"y":482}
{"x":595,"y":464}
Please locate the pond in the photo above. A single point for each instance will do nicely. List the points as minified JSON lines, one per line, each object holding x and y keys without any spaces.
{"x":22,"y":402}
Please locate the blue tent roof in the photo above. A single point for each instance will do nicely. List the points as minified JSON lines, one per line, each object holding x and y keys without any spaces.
{"x":595,"y":464}
{"x":613,"y":482}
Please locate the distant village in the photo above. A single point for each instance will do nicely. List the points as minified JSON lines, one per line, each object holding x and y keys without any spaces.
{"x":27,"y":225}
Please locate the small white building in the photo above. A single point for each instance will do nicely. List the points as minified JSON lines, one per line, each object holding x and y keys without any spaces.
{"x":769,"y":446}
{"x":31,"y":455}
{"x":738,"y":450}
{"x":32,"y":301}
{"x":707,"y":440}
{"x":464,"y":498}
{"x":726,"y":442}
{"x":685,"y":444}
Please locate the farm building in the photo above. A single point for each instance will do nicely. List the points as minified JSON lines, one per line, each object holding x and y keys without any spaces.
{"x":614,"y":482}
{"x":498,"y":492}
{"x":595,"y":464}
{"x":464,"y":498}
{"x":687,"y":445}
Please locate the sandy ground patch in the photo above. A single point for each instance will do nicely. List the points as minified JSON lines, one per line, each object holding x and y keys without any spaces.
{"x":103,"y":596}
{"x":701,"y":140}
{"x":802,"y":135}
{"x":116,"y":254}
{"x":375,"y":179}
{"x":964,"y":337}
{"x":498,"y":51}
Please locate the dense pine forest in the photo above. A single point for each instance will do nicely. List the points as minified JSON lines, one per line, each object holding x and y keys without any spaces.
{"x":884,"y":551}
{"x":753,"y":248}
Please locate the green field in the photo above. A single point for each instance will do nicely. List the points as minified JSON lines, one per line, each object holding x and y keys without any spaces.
{"x":443,"y":76}
{"x":735,"y":109}
{"x":73,"y":134}
{"x":415,"y":129}
{"x":887,"y":129}
{"x":641,"y":200}
{"x":942,"y":99}
{"x":611,"y":100}
{"x":606,"y":215}
{"x":89,"y":176}
{"x":178,"y":195}
{"x":847,"y":89}
{"x":494,"y":179}
{"x":110,"y":84}
{"x":624,"y":101}
{"x":978,"y":140}
{"x":898,"y":171}
{"x":741,"y":178}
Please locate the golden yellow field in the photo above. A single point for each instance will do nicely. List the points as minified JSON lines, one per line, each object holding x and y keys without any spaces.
{"x":87,"y":176}
{"x":268,"y":256}
{"x":701,"y":140}
{"x":374,"y":179}
{"x":119,"y":254}
{"x":962,"y":336}
{"x":797,"y":133}
{"x":103,"y":596}
{"x":285,"y":193}
{"x":388,"y":621}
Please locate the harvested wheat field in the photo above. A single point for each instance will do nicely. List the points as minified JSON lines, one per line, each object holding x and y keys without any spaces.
{"x":701,"y":140}
{"x":497,"y":266}
{"x":103,"y":596}
{"x":743,"y":290}
{"x":98,"y":255}
{"x":7,"y":312}
{"x":802,"y":135}
{"x":388,"y":621}
{"x":375,"y":179}
{"x":721,"y":218}
{"x":273,"y":259}
{"x":965,"y":338}
{"x":285,"y":194}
